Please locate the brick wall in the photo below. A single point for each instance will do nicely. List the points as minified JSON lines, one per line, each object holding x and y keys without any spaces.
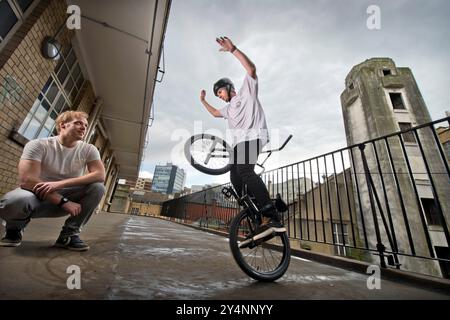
{"x":23,"y":73}
{"x":145,"y":209}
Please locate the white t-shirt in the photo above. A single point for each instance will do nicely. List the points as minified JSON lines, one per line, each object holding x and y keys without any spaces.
{"x":57,"y":161}
{"x":246,"y":118}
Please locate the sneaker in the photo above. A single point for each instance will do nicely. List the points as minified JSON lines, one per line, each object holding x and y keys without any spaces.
{"x":72,"y":243}
{"x":270,"y":220}
{"x":12,"y":238}
{"x":269,"y":226}
{"x":266,"y":231}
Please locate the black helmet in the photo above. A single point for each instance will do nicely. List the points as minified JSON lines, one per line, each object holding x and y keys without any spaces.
{"x":223,"y":83}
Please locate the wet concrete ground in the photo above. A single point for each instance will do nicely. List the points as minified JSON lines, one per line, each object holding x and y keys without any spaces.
{"x":147,"y":258}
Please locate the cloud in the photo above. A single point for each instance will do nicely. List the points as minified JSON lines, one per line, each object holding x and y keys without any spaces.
{"x":146,"y":174}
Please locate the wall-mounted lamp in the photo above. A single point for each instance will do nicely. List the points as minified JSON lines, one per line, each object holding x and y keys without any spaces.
{"x":50,"y":47}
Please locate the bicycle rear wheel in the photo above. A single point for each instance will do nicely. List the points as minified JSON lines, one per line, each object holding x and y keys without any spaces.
{"x":208,"y":154}
{"x":264,"y":261}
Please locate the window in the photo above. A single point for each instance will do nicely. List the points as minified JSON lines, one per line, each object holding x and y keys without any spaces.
{"x":93,"y":137}
{"x":24,"y":4}
{"x":407,"y":136}
{"x":387,"y":72}
{"x":69,"y":74}
{"x":397,"y":101}
{"x":12,"y":14}
{"x":57,"y":95}
{"x":7,"y":19}
{"x":447,"y":149}
{"x":444,"y":253}
{"x":40,"y":121}
{"x":340,"y":238}
{"x":431,"y":211}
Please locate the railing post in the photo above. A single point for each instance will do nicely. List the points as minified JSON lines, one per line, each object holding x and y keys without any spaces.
{"x":380,"y":247}
{"x":433,"y":187}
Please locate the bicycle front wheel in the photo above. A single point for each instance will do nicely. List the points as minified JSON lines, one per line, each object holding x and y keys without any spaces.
{"x":264,"y":261}
{"x":208,"y":154}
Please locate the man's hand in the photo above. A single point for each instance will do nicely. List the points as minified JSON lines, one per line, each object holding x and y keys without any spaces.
{"x":202,"y":95}
{"x":42,"y":189}
{"x":72,"y":208}
{"x":225,"y":43}
{"x":209,"y":107}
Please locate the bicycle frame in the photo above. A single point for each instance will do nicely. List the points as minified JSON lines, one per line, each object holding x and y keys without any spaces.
{"x":246,"y":202}
{"x":243,"y":201}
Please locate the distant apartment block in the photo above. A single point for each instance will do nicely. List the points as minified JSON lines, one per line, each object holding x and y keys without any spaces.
{"x":168,"y":179}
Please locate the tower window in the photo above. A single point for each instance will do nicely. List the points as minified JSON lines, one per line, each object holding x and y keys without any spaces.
{"x":387,"y":72}
{"x":431,"y":211}
{"x":397,"y":101}
{"x":407,"y":136}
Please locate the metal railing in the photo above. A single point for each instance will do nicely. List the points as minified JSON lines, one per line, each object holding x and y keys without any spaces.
{"x":386,"y":197}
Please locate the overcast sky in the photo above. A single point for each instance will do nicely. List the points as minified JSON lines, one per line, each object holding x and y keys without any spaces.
{"x":303,"y":51}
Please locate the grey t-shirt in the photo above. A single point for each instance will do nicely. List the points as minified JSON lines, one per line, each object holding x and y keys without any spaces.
{"x":246,"y":118}
{"x":57,"y":161}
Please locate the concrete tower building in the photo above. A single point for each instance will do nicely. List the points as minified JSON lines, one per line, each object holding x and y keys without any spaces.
{"x":380,"y":99}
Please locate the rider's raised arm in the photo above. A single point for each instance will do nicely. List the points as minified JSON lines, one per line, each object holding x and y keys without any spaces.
{"x":227,"y":45}
{"x":209,"y":107}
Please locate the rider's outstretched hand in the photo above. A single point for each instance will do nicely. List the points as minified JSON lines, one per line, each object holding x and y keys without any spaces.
{"x":202,"y":95}
{"x":225,"y":43}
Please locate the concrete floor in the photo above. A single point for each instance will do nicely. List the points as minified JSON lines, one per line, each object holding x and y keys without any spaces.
{"x":146,"y":258}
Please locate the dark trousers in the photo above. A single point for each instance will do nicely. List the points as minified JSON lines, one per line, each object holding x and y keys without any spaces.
{"x":243,"y":172}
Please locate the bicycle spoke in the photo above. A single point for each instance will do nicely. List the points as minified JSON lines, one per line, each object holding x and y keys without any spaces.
{"x":204,"y":152}
{"x":261,"y":258}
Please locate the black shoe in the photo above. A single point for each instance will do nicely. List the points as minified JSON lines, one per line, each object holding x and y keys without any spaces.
{"x":268,"y":210}
{"x":12,"y":238}
{"x":270,"y":219}
{"x":72,"y":243}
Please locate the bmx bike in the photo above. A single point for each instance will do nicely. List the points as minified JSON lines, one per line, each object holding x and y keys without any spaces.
{"x":262,"y":256}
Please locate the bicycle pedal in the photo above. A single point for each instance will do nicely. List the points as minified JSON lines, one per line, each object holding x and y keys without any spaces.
{"x":248,"y":243}
{"x":227,"y":192}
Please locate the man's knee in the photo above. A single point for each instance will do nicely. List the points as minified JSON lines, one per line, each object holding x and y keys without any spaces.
{"x":18,"y":200}
{"x":18,"y":196}
{"x":97,"y":187}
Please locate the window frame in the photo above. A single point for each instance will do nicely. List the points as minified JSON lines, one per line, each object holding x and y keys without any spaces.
{"x":386,"y":72}
{"x":21,"y":17}
{"x":67,"y":101}
{"x":401,"y":98}
{"x":407,"y":134}
{"x":70,"y":75}
{"x":432,"y":216}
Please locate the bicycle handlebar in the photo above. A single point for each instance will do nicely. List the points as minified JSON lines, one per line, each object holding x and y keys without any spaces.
{"x":280,"y":148}
{"x":270,"y":153}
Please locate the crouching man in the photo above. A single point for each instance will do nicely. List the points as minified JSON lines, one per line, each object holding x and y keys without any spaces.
{"x":54,"y":183}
